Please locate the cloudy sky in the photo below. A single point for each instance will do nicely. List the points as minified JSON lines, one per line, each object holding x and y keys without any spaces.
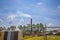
{"x":16,"y":12}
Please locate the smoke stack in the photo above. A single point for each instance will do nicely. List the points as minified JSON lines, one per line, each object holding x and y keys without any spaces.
{"x":31,"y":25}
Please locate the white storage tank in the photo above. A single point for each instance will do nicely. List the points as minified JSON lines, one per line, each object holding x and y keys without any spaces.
{"x":11,"y":35}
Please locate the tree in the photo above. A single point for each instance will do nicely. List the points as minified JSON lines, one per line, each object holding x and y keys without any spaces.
{"x":29,"y":27}
{"x":20,"y":27}
{"x":34,"y":27}
{"x":58,"y":33}
{"x":38,"y":25}
{"x":8,"y":28}
{"x":41,"y":27}
{"x":1,"y":28}
{"x":4,"y":28}
{"x":51,"y":32}
{"x":12,"y":27}
{"x":24,"y":27}
{"x":54,"y":30}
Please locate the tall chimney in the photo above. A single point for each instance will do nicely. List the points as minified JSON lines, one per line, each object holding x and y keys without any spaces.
{"x":31,"y":25}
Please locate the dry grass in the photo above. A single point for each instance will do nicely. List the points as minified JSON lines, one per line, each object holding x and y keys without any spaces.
{"x":42,"y":38}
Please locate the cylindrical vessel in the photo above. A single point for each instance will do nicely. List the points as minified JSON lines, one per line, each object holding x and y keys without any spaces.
{"x":11,"y":35}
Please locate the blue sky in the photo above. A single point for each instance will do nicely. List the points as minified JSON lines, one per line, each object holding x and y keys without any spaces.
{"x":17,"y":12}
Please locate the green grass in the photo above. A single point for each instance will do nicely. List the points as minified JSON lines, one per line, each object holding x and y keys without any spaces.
{"x":42,"y":38}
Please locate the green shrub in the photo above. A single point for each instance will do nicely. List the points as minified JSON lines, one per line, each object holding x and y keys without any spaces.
{"x":58,"y":33}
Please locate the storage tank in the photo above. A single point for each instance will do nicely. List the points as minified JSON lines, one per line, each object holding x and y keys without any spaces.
{"x":11,"y":35}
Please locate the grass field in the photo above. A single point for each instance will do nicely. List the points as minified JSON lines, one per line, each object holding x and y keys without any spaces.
{"x":42,"y":38}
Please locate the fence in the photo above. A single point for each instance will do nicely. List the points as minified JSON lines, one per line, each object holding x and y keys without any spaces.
{"x":52,"y":34}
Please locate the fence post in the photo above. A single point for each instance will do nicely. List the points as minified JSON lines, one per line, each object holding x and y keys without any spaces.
{"x":45,"y":36}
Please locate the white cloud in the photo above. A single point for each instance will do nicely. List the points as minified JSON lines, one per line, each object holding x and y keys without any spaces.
{"x":58,"y":6}
{"x":1,"y":20}
{"x":50,"y":25}
{"x":56,"y":11}
{"x":11,"y":17}
{"x":40,"y":3}
{"x":24,"y":14}
{"x":21,"y":21}
{"x":46,"y":18}
{"x":18,"y":14}
{"x":51,"y":19}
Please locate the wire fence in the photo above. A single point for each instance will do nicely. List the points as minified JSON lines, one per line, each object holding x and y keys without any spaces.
{"x":52,"y":33}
